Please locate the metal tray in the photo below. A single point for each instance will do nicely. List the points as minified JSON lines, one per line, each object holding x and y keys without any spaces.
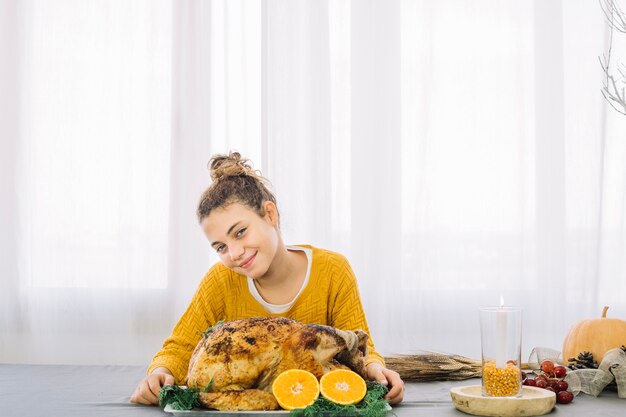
{"x":199,"y":412}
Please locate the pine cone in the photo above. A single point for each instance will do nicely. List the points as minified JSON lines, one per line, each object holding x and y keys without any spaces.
{"x":584,"y":360}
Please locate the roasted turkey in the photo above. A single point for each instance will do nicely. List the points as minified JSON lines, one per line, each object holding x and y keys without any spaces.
{"x":239,"y":360}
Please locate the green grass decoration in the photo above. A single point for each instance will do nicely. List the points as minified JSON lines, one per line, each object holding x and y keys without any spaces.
{"x":180,"y":398}
{"x":372,"y":405}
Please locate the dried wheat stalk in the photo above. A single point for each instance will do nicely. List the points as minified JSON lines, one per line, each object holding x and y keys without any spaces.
{"x":432,"y":366}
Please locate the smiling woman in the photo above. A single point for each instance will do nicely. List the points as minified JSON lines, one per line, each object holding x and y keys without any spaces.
{"x":259,"y":276}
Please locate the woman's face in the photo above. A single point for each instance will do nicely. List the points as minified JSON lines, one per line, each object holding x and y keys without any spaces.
{"x":245,"y":241}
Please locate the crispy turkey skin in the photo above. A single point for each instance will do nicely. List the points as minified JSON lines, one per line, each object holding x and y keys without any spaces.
{"x":243,"y":357}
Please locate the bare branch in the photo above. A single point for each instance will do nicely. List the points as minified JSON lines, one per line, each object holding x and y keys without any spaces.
{"x":612,"y":94}
{"x":621,"y":68}
{"x":621,"y":17}
{"x":604,"y":64}
{"x":610,"y":100}
{"x":614,"y":15}
{"x":611,"y":91}
{"x":608,"y":15}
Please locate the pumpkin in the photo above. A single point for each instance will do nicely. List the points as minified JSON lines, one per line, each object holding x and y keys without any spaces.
{"x":596,"y":336}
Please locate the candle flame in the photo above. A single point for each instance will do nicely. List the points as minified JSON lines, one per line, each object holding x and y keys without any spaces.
{"x":501,"y":301}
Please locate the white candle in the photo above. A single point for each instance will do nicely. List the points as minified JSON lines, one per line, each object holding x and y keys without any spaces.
{"x":501,"y":323}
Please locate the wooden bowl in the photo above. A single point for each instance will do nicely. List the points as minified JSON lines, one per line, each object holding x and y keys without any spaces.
{"x":533,"y":402}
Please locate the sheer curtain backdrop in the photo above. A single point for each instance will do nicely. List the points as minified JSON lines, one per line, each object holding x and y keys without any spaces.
{"x":454,"y":151}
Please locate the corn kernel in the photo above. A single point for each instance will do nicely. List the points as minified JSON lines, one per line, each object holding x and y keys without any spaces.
{"x":501,"y":382}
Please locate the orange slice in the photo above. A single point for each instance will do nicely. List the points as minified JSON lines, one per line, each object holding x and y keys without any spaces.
{"x":343,"y":386}
{"x":295,"y":388}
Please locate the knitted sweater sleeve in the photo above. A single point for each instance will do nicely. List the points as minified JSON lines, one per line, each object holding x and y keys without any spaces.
{"x":203,"y":311}
{"x":347,"y":311}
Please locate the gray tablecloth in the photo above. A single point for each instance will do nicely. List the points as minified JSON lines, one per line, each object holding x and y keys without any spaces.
{"x":53,"y":390}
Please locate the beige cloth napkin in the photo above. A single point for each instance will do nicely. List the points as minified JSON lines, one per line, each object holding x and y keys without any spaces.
{"x":589,"y":381}
{"x":593,"y":381}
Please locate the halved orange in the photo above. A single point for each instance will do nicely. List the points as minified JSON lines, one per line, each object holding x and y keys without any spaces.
{"x":295,"y":388}
{"x":343,"y":386}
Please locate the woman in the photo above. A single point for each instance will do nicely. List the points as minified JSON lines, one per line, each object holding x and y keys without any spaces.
{"x":259,"y":276}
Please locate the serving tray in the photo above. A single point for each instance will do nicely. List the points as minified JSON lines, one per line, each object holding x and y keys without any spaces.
{"x":200,"y":412}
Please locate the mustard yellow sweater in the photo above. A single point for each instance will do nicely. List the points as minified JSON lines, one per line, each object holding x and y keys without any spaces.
{"x":331,"y":297}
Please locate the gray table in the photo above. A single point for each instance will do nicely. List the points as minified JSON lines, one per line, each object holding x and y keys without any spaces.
{"x":52,"y":390}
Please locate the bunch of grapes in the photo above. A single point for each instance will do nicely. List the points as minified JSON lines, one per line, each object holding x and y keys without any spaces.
{"x":552,"y":378}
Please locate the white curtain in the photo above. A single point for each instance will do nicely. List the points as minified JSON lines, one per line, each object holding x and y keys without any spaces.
{"x":454,"y":151}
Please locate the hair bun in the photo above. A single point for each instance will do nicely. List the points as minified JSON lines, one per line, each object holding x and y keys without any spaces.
{"x":231,"y":165}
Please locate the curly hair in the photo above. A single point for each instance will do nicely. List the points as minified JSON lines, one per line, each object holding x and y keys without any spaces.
{"x":234,"y":181}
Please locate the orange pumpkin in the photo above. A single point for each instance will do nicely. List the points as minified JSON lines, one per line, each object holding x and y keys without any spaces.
{"x":596,"y":336}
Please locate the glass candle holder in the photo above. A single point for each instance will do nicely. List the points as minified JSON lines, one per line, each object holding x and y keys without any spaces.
{"x":501,"y":342}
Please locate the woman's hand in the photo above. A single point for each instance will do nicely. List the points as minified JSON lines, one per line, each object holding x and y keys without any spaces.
{"x":377,"y":372}
{"x":147,"y":392}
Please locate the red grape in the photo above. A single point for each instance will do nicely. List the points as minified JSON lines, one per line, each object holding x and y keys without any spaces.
{"x":541,"y":383}
{"x":547,"y":366}
{"x":560,"y":371}
{"x":561,"y":386}
{"x":542,"y":378}
{"x":564,"y":397}
{"x":530,"y":382}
